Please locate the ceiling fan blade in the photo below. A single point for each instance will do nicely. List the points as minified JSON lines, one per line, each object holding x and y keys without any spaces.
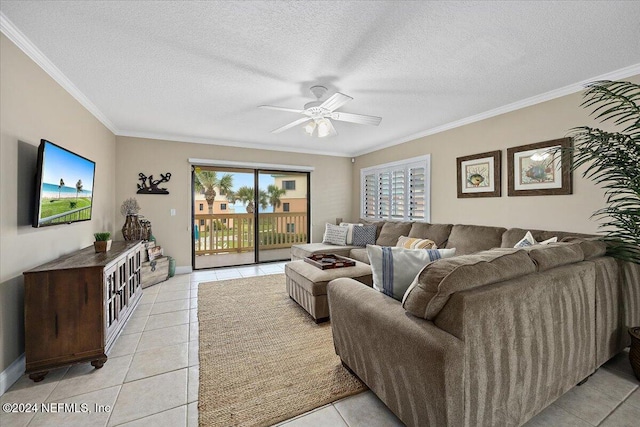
{"x":290,"y":125}
{"x":336,"y":101}
{"x":273,"y":107}
{"x":360,"y":119}
{"x":332,"y":130}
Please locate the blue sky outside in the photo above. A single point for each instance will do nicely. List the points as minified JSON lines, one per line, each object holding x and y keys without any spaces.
{"x":59,"y":163}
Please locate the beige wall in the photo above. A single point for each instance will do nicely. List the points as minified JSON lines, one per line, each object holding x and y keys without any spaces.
{"x":33,"y":106}
{"x":330,"y":196}
{"x":541,"y":122}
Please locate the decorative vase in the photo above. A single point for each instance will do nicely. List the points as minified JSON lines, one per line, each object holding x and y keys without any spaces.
{"x":132,"y":228}
{"x":102,"y":245}
{"x":145,"y":225}
{"x":634,"y":352}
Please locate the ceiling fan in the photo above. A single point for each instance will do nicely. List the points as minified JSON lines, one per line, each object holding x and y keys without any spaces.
{"x":319,"y":114}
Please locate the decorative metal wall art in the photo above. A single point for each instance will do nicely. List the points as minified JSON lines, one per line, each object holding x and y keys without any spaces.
{"x":152,"y":186}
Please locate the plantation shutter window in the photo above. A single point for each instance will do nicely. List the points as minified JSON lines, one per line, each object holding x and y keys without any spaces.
{"x":396,"y":191}
{"x":370,"y":204}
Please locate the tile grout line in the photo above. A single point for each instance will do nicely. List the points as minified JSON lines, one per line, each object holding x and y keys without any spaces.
{"x":340,"y":413}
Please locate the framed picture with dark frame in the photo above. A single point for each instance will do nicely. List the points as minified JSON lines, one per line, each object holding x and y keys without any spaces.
{"x":540,"y":169}
{"x":479,"y":175}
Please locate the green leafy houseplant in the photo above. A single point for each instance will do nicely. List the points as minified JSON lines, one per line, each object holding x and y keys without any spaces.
{"x":612,"y":160}
{"x":102,"y":237}
{"x":103,"y":241}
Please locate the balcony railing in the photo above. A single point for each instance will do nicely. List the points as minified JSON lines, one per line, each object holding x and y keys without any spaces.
{"x":234,"y":233}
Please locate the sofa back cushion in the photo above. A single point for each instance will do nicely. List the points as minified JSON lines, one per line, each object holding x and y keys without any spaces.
{"x":591,"y":247}
{"x":513,"y":235}
{"x":391,"y":232}
{"x":469,"y":239}
{"x":546,"y":257}
{"x":434,"y":285}
{"x":439,"y":233}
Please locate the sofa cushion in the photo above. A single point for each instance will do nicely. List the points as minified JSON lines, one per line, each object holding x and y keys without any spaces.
{"x":468,"y":239}
{"x":364,"y":235}
{"x":394,"y":268}
{"x":359,"y":254}
{"x":591,"y":247}
{"x":434,"y":285}
{"x":555,"y":255}
{"x":415,"y":243}
{"x":335,"y":234}
{"x":391,"y":231}
{"x":513,"y":235}
{"x":439,"y":233}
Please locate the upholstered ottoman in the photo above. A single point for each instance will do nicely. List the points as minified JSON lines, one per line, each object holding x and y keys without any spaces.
{"x":307,"y":285}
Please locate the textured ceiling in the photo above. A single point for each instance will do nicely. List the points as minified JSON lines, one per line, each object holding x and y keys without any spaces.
{"x":196,"y":71}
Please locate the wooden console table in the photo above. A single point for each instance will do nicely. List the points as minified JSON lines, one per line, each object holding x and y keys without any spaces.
{"x":76,"y":306}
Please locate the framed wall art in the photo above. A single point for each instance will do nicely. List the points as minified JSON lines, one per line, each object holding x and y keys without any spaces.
{"x":479,"y":175}
{"x":540,"y":169}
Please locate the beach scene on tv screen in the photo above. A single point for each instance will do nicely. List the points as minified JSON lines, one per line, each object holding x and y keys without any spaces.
{"x":67,"y":187}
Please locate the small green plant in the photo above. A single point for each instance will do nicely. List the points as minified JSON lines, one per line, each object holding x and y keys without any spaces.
{"x":102,"y":237}
{"x":72,"y":205}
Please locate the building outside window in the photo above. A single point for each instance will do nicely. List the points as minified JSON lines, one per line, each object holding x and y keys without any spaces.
{"x":286,"y":207}
{"x":289,"y":185}
{"x":291,"y":228}
{"x":201,"y":206}
{"x":202,"y":220}
{"x":223,"y":206}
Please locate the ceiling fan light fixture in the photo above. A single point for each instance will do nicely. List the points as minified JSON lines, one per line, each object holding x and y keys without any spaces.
{"x":310,"y":127}
{"x":323,"y":128}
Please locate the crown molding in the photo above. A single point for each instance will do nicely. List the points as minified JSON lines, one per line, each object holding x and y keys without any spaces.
{"x":622,"y":73}
{"x":24,"y":44}
{"x":235,"y":144}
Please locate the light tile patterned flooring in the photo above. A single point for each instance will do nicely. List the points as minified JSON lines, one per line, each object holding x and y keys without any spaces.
{"x":151,"y":377}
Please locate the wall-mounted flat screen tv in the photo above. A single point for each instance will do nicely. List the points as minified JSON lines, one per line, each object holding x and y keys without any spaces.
{"x":64,"y":182}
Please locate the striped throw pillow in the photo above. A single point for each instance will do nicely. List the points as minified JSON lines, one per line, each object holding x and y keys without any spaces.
{"x":415,"y":243}
{"x":394,"y":268}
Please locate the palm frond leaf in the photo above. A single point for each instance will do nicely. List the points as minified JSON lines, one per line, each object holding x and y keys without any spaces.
{"x":611,"y":159}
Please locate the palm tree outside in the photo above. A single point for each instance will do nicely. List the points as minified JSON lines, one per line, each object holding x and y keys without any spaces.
{"x":206,"y":182}
{"x":60,"y":186}
{"x":275,"y":193}
{"x":246,"y":196}
{"x":78,"y":187}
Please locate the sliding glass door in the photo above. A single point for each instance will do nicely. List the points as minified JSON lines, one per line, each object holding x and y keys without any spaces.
{"x":246,"y":216}
{"x":282,"y":213}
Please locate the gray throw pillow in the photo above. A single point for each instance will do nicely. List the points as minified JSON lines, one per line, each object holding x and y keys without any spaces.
{"x":364,"y":235}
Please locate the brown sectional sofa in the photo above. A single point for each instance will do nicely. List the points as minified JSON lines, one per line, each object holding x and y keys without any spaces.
{"x":491,"y":336}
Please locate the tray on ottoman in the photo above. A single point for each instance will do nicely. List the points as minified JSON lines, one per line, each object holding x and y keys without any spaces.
{"x":326,"y":261}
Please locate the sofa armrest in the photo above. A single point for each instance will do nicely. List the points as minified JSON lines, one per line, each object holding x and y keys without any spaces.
{"x":414,"y":367}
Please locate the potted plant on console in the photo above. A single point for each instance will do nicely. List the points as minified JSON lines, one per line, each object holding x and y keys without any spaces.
{"x":611,"y":158}
{"x":103,"y":241}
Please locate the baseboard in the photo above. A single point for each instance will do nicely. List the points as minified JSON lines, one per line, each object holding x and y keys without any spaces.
{"x":12,"y":374}
{"x":184,"y":269}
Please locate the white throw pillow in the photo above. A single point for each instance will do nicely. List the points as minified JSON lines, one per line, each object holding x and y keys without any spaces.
{"x":528,"y":240}
{"x":335,"y":235}
{"x":350,"y":232}
{"x":394,"y":268}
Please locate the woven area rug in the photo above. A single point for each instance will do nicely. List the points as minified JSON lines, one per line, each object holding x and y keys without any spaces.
{"x":262,"y":358}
